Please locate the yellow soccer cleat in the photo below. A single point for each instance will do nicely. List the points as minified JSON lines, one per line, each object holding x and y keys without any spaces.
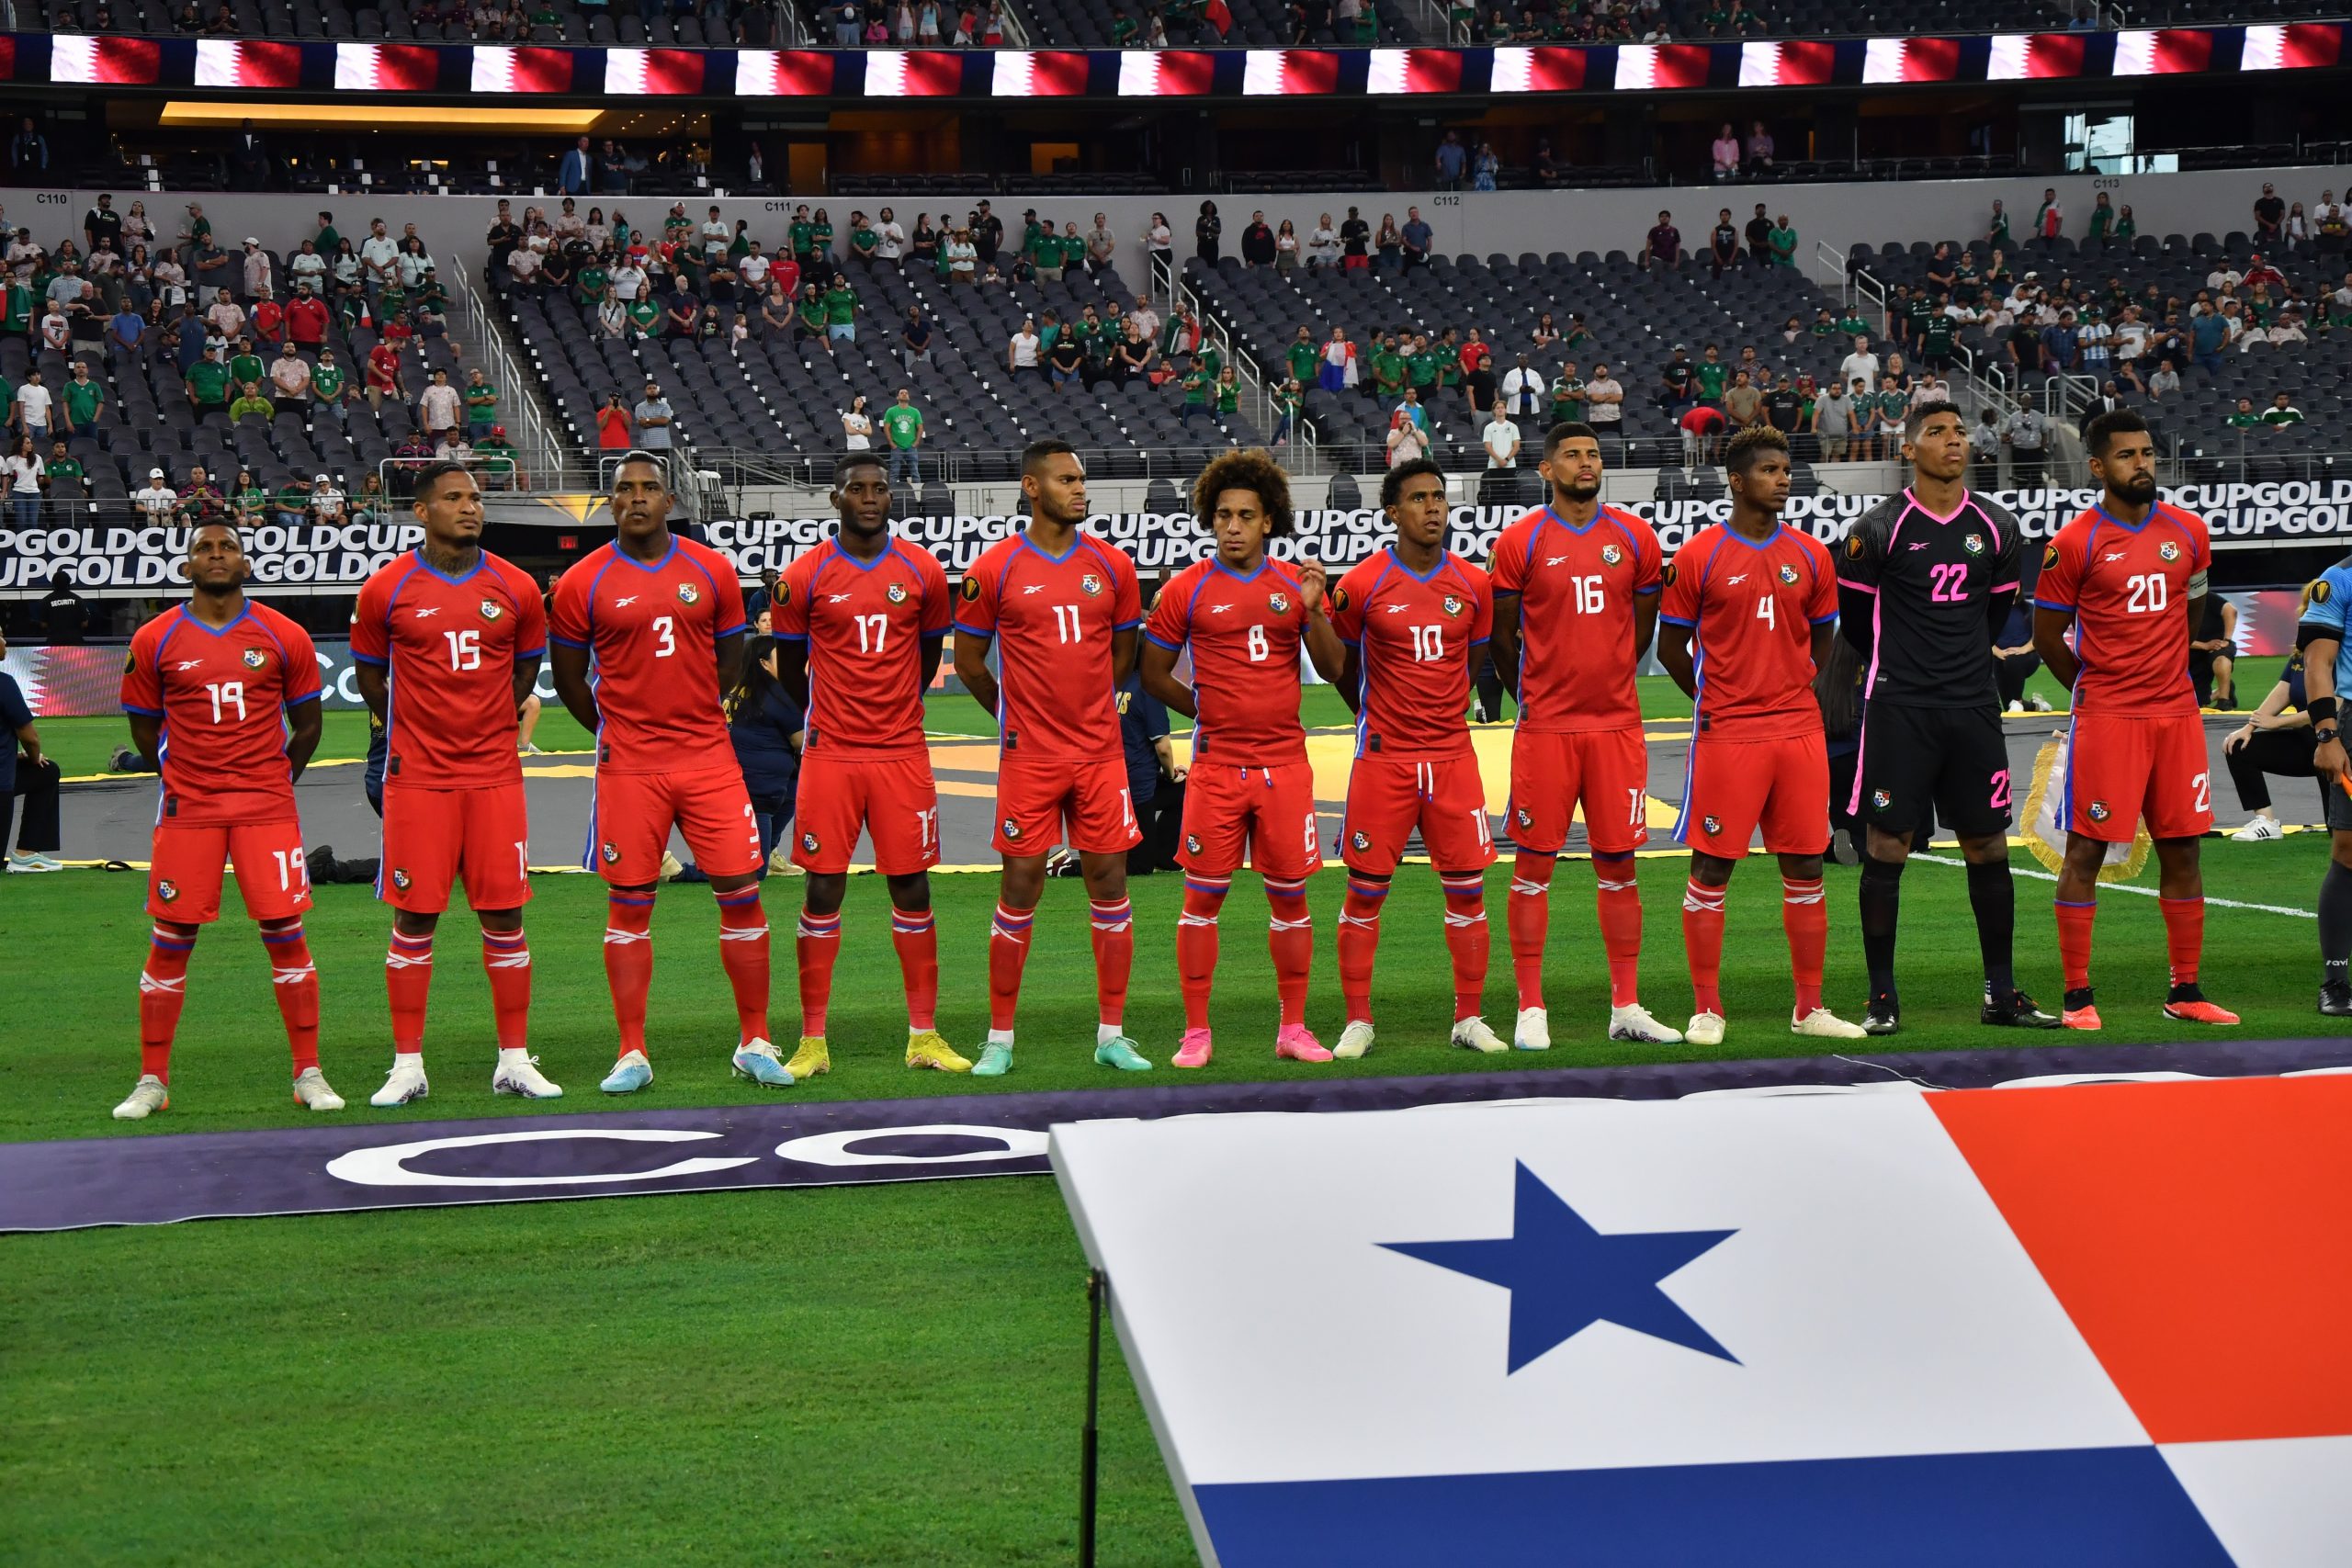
{"x":930,"y":1049}
{"x":810,"y":1059}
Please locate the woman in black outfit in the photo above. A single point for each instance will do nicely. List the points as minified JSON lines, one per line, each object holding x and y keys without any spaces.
{"x":1207,"y":231}
{"x":766,"y":727}
{"x":2275,"y":738}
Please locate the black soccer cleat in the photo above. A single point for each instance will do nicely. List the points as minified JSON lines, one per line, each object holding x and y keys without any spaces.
{"x":1883,"y":1016}
{"x":2335,"y":999}
{"x":2017,"y":1011}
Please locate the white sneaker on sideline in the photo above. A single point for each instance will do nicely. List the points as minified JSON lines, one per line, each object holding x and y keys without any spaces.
{"x":1704,"y":1029}
{"x":33,"y":863}
{"x":405,"y":1082}
{"x":1354,"y":1040}
{"x":1634,"y":1023}
{"x":2260,"y":829}
{"x":1823,"y":1024}
{"x":311,"y":1093}
{"x":1532,"y":1031}
{"x":1472,"y":1034}
{"x":521,"y":1075}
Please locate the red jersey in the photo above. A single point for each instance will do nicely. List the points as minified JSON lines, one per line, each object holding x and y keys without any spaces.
{"x":865,"y":623}
{"x":1418,"y":639}
{"x":1052,"y":618}
{"x":222,"y":695}
{"x":2128,"y":589}
{"x":451,"y":644}
{"x":653,"y":627}
{"x":1576,"y":590}
{"x":383,"y":366}
{"x":1754,"y":606}
{"x":1245,"y":633}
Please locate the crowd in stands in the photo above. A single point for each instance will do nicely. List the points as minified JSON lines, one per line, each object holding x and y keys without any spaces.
{"x":188,"y":378}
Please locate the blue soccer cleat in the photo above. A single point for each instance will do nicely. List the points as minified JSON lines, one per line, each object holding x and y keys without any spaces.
{"x":631,"y":1073}
{"x":995,"y":1061}
{"x":757,"y":1060}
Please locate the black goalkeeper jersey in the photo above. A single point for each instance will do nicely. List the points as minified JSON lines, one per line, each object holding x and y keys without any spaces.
{"x":1930,"y":592}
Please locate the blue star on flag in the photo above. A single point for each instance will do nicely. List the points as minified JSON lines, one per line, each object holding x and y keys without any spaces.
{"x":1564,"y":1275}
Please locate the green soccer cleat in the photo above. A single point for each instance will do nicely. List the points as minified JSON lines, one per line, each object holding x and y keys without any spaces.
{"x":995,"y":1061}
{"x":1121,"y":1053}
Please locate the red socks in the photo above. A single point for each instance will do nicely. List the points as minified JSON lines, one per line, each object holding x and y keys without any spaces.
{"x":2074,"y":938}
{"x":1702,"y":940}
{"x":506,"y":959}
{"x":1007,"y":950}
{"x":1115,"y":956}
{"x":162,"y":989}
{"x":1619,"y":899}
{"x":2184,"y":937}
{"x":628,"y":963}
{"x":1290,"y":940}
{"x":408,"y":983}
{"x":296,"y":985}
{"x":1526,"y":918}
{"x":1196,"y":943}
{"x":1465,"y":938}
{"x":743,"y":952}
{"x":1359,"y":943}
{"x":916,"y":936}
{"x":817,"y":944}
{"x":1806,"y":918}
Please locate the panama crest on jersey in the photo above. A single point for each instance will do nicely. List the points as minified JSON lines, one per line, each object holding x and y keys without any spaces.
{"x":2168,"y":550}
{"x":896,"y":592}
{"x":1611,"y":555}
{"x":167,"y":890}
{"x":1788,"y":572}
{"x":1973,"y":544}
{"x":1089,"y":585}
{"x":492,"y":609}
{"x":1279,"y":603}
{"x":1012,"y":831}
{"x":688,"y":593}
{"x":1453,"y":605}
{"x":1361,"y":840}
{"x":1192,"y":843}
{"x":256,"y":658}
{"x":808,"y":842}
{"x":1883,"y":798}
{"x":612,"y":854}
{"x":2097,"y":811}
{"x":401,"y":878}
{"x":1712,"y":824}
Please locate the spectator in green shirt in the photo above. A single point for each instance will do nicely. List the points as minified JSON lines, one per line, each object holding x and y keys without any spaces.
{"x":481,"y":404}
{"x":246,"y":365}
{"x":1568,"y":395}
{"x":1388,"y":373}
{"x":1304,"y":358}
{"x":588,"y":287}
{"x":1420,"y":367}
{"x":1123,"y":28}
{"x":1228,"y":392}
{"x":862,"y":237}
{"x":250,"y":404}
{"x":841,"y":311}
{"x":1288,"y":398}
{"x":1196,"y":392}
{"x":902,"y":428}
{"x":84,"y":395}
{"x":1711,"y":374}
{"x":2246,"y":418}
{"x":1852,"y":323}
{"x":821,"y":238}
{"x":802,"y":235}
{"x":207,"y":383}
{"x":63,"y":474}
{"x":330,"y":389}
{"x":2282,"y":411}
{"x":643,"y":313}
{"x":293,"y":502}
{"x":1783,"y":242}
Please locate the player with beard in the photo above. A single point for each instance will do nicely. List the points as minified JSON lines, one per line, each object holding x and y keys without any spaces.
{"x":859,"y":622}
{"x":663,"y":619}
{"x":223,"y":696}
{"x":1576,"y":602}
{"x":1062,"y":608}
{"x":1925,"y":581}
{"x":2127,"y":576}
{"x":1416,"y":619}
{"x":1750,"y":608}
{"x":446,"y":643}
{"x":1245,"y":617}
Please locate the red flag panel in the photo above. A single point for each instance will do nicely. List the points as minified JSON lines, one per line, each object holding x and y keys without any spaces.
{"x":277,"y":65}
{"x":1931,"y":60}
{"x":1684,"y":65}
{"x":2056,"y":55}
{"x":1057,"y":74}
{"x":1433,"y":71}
{"x":407,"y":68}
{"x":1309,"y":71}
{"x":1806,"y":63}
{"x":1556,"y":70}
{"x":1186,"y":73}
{"x":542,"y":71}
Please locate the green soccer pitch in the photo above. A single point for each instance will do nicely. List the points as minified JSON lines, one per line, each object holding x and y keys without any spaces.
{"x":886,"y":1375}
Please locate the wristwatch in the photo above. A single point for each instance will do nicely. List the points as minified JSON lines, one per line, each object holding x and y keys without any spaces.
{"x":2325,"y":735}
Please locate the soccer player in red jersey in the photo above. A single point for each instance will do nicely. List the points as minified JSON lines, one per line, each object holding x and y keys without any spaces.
{"x":447,"y":644}
{"x":222,"y":695}
{"x":1576,"y":602}
{"x":1245,"y":617}
{"x":1415,"y":619}
{"x":663,"y":619}
{"x":2128,"y":575}
{"x":859,"y":622}
{"x":1061,"y":608}
{"x":1750,"y":607}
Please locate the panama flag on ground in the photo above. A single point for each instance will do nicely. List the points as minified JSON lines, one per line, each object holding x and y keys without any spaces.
{"x":2095,"y":1325}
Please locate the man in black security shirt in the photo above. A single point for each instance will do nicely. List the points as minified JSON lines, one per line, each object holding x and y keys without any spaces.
{"x":1925,"y":579}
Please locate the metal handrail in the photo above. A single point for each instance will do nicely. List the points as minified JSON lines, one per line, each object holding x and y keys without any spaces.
{"x":540,"y":448}
{"x":1247,"y":371}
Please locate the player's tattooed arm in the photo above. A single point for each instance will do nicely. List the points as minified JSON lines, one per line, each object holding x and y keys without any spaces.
{"x":972,"y":669}
{"x":1502,"y":644}
{"x":1674,"y":656}
{"x":2050,"y":641}
{"x":571,"y":684}
{"x":527,"y":681}
{"x":304,"y":725}
{"x":1160,"y":680}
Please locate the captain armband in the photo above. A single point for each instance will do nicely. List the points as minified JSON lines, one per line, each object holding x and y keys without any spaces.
{"x":2197,"y":585}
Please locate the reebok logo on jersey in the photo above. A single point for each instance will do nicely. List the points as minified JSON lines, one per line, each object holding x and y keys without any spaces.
{"x":2114,"y":555}
{"x":1735,"y":581}
{"x":1973,"y":544}
{"x":1025,"y":588}
{"x":624,"y":601}
{"x":1219,"y":609}
{"x":896,"y":593}
{"x":492,"y":609}
{"x":1918,"y":544}
{"x":426,"y":612}
{"x":256,"y":658}
{"x":688,"y":593}
{"x":1396,"y":609}
{"x":836,"y":598}
{"x":1788,"y":572}
{"x":1555,"y":560}
{"x":187,"y":664}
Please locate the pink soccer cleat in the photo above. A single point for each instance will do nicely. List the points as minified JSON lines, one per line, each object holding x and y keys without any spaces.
{"x":1296,"y":1042}
{"x":1196,"y":1049}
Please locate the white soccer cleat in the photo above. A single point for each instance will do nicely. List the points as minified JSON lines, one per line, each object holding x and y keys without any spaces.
{"x":521,"y":1075}
{"x":1354,"y":1040}
{"x":404,"y":1083}
{"x":313,"y":1093}
{"x":1532,"y":1031}
{"x":1472,"y":1034}
{"x":1704,"y":1029}
{"x":1823,"y":1024}
{"x":2262,"y":829}
{"x":1634,"y":1023}
{"x":147,"y":1097}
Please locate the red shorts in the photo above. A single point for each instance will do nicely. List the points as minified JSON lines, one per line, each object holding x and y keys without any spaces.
{"x":631,"y":817}
{"x":1390,"y":796}
{"x":892,"y":799}
{"x":434,"y":837}
{"x":2119,"y":769}
{"x":1039,"y":800}
{"x":1607,"y":770}
{"x":1732,"y":787}
{"x":184,"y":877}
{"x":1270,"y":812}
